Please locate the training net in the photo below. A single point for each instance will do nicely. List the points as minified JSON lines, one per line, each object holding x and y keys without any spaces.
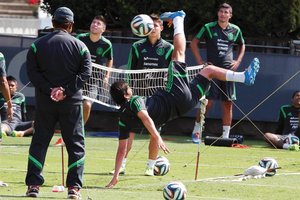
{"x":143,"y":82}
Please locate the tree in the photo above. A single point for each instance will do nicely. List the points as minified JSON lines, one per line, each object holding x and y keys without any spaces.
{"x":264,"y":18}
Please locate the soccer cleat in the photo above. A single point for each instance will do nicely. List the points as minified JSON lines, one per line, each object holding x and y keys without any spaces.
{"x":169,"y":16}
{"x":251,"y":72}
{"x":74,"y":193}
{"x":3,"y":134}
{"x":196,"y":138}
{"x":32,"y":191}
{"x":149,"y":171}
{"x":122,"y":171}
{"x":17,"y":134}
{"x":294,"y":147}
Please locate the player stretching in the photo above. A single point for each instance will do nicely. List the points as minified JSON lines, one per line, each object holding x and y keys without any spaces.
{"x":178,"y":98}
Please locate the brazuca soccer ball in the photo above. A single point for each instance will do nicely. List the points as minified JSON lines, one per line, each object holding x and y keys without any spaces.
{"x":142,"y":25}
{"x":175,"y":191}
{"x":270,"y":164}
{"x":162,"y":166}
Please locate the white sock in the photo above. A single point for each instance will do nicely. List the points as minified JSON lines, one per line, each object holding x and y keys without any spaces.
{"x":151,"y":163}
{"x":178,"y":23}
{"x":124,"y":162}
{"x":196,"y":127}
{"x":235,"y":76}
{"x":285,"y":146}
{"x":226,"y":130}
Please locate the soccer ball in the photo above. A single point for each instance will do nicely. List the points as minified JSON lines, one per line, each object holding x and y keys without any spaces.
{"x":162,"y":166}
{"x":174,"y":191}
{"x":142,"y":25}
{"x":292,"y":139}
{"x":270,"y":164}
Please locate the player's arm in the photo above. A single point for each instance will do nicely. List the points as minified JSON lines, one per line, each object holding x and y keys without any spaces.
{"x":281,"y":121}
{"x":4,"y":87}
{"x":194,"y":46}
{"x":149,"y":124}
{"x":109,"y":64}
{"x":118,"y":162}
{"x":241,"y":51}
{"x":195,"y":51}
{"x":132,"y":58}
{"x":6,"y":94}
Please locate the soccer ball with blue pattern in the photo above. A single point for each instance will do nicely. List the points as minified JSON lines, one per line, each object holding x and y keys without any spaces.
{"x":142,"y":25}
{"x":270,"y":164}
{"x":175,"y":191}
{"x":162,"y":166}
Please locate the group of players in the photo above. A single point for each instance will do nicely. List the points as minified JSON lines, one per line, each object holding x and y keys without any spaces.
{"x":58,"y":89}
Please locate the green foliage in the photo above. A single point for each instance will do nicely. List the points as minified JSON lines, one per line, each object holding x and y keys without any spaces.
{"x":264,"y":18}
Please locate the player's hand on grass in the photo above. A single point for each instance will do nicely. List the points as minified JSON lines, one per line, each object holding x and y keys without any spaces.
{"x":112,"y":183}
{"x":163,"y":147}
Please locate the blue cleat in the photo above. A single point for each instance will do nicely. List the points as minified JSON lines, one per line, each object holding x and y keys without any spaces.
{"x":251,"y":72}
{"x":169,"y":16}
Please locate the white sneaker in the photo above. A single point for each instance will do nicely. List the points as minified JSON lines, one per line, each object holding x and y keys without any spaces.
{"x":122,"y":171}
{"x":149,"y":171}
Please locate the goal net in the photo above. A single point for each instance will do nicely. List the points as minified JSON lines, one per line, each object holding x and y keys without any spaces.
{"x":143,"y":82}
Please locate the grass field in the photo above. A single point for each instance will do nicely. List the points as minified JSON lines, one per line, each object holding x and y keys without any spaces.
{"x":215,"y":162}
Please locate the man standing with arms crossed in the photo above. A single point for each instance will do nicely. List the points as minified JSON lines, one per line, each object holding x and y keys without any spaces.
{"x":220,"y":37}
{"x":101,"y":53}
{"x":151,"y":52}
{"x":58,"y":65}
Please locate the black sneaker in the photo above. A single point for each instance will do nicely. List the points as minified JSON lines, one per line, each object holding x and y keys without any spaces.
{"x":32,"y":191}
{"x":74,"y":193}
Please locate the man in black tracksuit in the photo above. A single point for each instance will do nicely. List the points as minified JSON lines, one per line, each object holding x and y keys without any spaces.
{"x":58,"y":65}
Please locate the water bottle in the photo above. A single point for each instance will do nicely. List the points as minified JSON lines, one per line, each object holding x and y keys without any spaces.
{"x":58,"y":188}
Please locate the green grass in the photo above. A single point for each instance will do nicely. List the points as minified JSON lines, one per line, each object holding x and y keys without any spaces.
{"x":100,"y":155}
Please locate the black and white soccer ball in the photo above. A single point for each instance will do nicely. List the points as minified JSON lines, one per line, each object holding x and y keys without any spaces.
{"x":175,"y":190}
{"x":270,"y":164}
{"x":162,"y":166}
{"x":291,"y":139}
{"x":142,"y":25}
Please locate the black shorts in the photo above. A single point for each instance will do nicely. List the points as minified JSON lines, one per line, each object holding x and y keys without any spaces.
{"x":222,"y":90}
{"x":180,"y":95}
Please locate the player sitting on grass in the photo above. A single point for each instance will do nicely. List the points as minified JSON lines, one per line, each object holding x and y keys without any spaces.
{"x":179,"y":97}
{"x":18,"y":126}
{"x":287,"y":134}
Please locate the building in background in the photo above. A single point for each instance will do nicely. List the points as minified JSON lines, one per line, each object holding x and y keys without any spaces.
{"x":22,"y":17}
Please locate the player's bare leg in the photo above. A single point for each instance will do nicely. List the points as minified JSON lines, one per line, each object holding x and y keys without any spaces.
{"x":87,"y":106}
{"x":226,"y":117}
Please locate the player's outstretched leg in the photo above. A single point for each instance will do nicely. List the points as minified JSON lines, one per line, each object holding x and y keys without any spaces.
{"x":247,"y":77}
{"x":179,"y":40}
{"x":251,"y":72}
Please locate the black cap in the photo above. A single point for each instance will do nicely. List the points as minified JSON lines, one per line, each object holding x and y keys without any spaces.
{"x":63,"y":15}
